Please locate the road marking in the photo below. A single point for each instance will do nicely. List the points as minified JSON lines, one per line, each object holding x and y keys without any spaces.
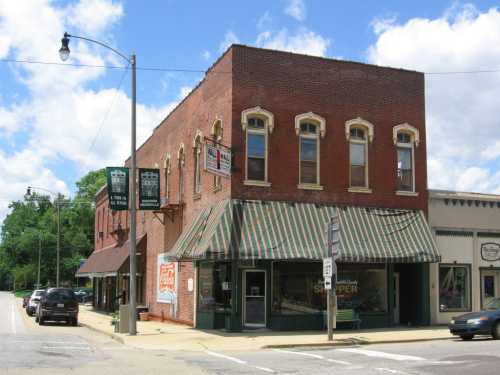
{"x":390,"y":370}
{"x":317,"y":356}
{"x":373,"y":353}
{"x":265,"y":369}
{"x":65,"y":348}
{"x":13,"y":319}
{"x":226,"y":357}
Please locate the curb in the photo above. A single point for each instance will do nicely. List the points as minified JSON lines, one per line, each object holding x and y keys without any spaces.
{"x":351,"y":342}
{"x":115,"y":337}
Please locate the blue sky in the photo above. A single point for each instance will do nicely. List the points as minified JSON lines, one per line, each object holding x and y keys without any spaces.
{"x":51,"y":115}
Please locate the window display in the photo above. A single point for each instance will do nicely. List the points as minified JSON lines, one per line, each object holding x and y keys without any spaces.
{"x":454,"y":294}
{"x":214,"y":287}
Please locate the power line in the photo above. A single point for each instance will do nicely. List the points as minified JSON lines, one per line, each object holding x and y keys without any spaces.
{"x":174,"y":70}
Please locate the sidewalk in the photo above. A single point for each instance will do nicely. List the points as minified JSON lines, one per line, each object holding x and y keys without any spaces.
{"x":169,"y":336}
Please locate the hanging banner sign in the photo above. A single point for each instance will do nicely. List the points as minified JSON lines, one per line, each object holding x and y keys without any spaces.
{"x":217,"y":160}
{"x":118,"y":181}
{"x":167,"y":281}
{"x":149,"y":189}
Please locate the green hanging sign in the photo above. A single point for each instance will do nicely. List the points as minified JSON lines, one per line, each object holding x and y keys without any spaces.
{"x":149,"y":189}
{"x":118,"y":181}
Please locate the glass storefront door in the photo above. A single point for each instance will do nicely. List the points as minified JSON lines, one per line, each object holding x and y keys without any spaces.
{"x":254,"y":298}
{"x":490,"y":286}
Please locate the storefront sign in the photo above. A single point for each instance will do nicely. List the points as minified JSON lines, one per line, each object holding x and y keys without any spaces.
{"x":167,"y":280}
{"x":117,"y":179}
{"x":217,"y":160}
{"x":149,"y":189}
{"x":490,"y":251}
{"x":347,"y":288}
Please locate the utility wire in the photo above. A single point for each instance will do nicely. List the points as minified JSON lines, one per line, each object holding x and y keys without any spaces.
{"x":160,"y":69}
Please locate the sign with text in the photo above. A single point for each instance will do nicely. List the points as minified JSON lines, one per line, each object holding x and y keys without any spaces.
{"x":149,"y":189}
{"x":167,"y":280}
{"x":327,"y":267}
{"x":217,"y":160}
{"x":334,"y":237}
{"x":490,"y":251}
{"x":118,"y":181}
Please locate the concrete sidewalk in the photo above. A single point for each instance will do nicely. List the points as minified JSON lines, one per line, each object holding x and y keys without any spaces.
{"x":170,"y":336}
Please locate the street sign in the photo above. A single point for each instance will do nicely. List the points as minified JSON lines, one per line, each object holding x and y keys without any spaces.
{"x":218,"y":160}
{"x":334,"y":237}
{"x":328,"y":283}
{"x":327,"y":267}
{"x":118,"y":182}
{"x":149,"y":189}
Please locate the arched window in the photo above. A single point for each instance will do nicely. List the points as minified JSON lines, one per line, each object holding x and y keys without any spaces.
{"x":405,"y":138}
{"x":166,"y":172}
{"x":180,"y":165}
{"x":197,"y":162}
{"x":257,"y":123}
{"x":309,"y":127}
{"x":217,"y":134}
{"x":359,"y":133}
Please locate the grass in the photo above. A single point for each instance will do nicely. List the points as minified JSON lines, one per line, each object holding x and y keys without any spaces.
{"x":22,"y":293}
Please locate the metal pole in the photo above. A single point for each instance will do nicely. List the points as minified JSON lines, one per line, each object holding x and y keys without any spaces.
{"x":133,"y":211}
{"x":39,"y":260}
{"x":58,"y":239}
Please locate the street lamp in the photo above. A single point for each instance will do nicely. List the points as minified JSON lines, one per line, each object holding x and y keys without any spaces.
{"x":28,"y":193}
{"x":64,"y":52}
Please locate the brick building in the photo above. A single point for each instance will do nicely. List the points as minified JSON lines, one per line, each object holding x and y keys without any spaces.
{"x":310,"y":138}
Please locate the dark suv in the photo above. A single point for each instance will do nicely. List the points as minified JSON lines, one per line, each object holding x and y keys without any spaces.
{"x":58,"y":304}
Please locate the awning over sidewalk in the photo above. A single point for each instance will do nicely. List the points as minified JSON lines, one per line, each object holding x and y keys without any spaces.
{"x":236,"y":229}
{"x":107,"y":261}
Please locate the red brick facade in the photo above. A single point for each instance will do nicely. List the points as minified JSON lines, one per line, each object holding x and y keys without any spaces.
{"x":285,"y":84}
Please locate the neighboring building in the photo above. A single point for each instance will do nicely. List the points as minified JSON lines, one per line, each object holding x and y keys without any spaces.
{"x":108,"y":266}
{"x":466,"y":227}
{"x":310,"y":138}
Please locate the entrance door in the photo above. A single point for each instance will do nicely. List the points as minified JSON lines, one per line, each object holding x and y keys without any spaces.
{"x":254,"y":298}
{"x":395,"y":306}
{"x":490,"y":286}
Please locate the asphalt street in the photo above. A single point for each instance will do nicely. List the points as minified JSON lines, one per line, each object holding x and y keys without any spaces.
{"x":27,"y":348}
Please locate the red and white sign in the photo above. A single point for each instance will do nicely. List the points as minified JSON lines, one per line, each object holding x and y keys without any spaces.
{"x":167,"y":280}
{"x":217,"y":160}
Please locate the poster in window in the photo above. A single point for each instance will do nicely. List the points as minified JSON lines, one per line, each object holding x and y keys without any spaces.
{"x":167,"y":280}
{"x":149,"y":189}
{"x":118,"y":181}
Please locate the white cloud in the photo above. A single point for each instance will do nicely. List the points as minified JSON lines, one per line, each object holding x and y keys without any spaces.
{"x":303,"y":41}
{"x":206,"y":55}
{"x":94,"y":16}
{"x":264,"y":21}
{"x":463,"y":126}
{"x":296,"y":9}
{"x":229,"y":38}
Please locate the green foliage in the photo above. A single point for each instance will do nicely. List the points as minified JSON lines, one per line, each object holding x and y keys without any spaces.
{"x":31,"y":226}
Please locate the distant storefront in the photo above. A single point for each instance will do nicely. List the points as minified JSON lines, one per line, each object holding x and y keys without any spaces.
{"x":466,"y":228}
{"x":259,"y":265}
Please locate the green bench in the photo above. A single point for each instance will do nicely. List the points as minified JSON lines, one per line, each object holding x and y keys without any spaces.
{"x":347,"y":316}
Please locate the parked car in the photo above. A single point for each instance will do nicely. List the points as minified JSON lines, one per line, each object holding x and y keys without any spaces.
{"x":58,"y":304}
{"x":26,"y":299}
{"x":33,"y":301}
{"x":83,"y":295}
{"x":485,"y":322}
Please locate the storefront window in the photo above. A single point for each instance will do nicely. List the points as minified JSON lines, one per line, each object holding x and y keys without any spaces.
{"x":214,"y":287}
{"x":454,"y":284}
{"x":362,"y":288}
{"x":298,"y":288}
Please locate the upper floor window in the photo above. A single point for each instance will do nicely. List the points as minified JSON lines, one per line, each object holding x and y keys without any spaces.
{"x":197,"y":162}
{"x":359,"y":133}
{"x":180,"y":165}
{"x":405,"y":137}
{"x":257,"y":124}
{"x":309,"y":127}
{"x":166,"y":171}
{"x":217,"y":133}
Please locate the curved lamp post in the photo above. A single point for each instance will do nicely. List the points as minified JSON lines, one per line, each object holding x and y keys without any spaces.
{"x":64,"y":52}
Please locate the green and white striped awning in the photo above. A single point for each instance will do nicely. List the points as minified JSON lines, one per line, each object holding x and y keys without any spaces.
{"x":237,"y":229}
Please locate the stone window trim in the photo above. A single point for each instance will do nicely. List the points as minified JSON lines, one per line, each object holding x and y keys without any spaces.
{"x":314,"y":118}
{"x":408,"y":129}
{"x":268,"y":119}
{"x":167,"y":163}
{"x":180,"y":155}
{"x":197,"y":149}
{"x":217,"y":133}
{"x":359,"y":122}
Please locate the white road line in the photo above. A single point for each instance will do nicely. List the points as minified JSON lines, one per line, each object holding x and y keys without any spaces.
{"x":65,"y":348}
{"x":376,"y":354}
{"x":390,"y":370}
{"x":265,"y":369}
{"x":13,"y":319}
{"x":317,"y":356}
{"x":226,"y":357}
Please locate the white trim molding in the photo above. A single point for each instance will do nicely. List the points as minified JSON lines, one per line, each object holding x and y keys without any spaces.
{"x":358,"y":121}
{"x":315,"y":118}
{"x":180,"y":152}
{"x":166,"y":162}
{"x":258,"y":112}
{"x":213,"y":129}
{"x":406,"y":128}
{"x":198,"y":137}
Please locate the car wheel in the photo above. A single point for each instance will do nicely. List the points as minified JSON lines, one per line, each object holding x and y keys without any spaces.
{"x":36,"y":318}
{"x":496,"y":331}
{"x":41,"y":321}
{"x":467,"y":337}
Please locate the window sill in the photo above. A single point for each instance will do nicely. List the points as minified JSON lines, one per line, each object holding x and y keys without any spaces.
{"x":196,"y":196}
{"x":309,"y":187}
{"x":256,"y":183}
{"x":407,"y":193}
{"x":359,"y":190}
